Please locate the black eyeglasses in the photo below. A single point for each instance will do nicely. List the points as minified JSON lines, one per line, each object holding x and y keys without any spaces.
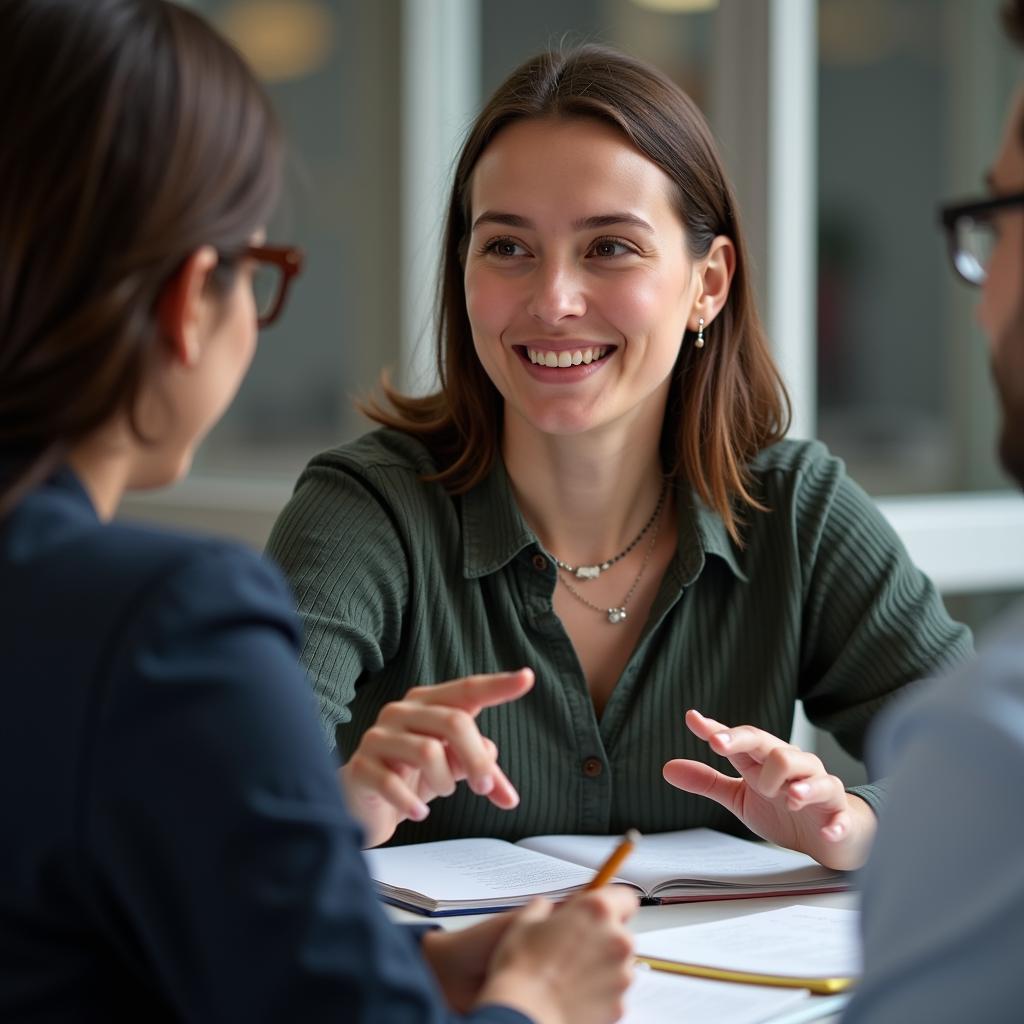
{"x":970,"y":233}
{"x":276,"y":266}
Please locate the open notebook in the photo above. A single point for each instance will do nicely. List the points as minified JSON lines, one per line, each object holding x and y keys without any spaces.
{"x":468,"y":876}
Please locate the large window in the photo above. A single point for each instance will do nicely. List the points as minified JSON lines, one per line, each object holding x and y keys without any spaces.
{"x":911,"y":102}
{"x":843,"y":125}
{"x":331,"y":69}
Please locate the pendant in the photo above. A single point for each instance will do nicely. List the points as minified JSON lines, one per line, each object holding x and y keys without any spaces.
{"x":616,"y":615}
{"x":588,"y":572}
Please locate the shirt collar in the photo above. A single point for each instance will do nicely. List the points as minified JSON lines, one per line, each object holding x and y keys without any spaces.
{"x":702,"y":532}
{"x":494,"y":531}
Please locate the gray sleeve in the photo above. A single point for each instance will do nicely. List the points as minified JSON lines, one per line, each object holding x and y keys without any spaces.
{"x":943,"y":892}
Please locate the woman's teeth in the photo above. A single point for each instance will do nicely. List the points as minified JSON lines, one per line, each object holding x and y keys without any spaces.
{"x":543,"y":357}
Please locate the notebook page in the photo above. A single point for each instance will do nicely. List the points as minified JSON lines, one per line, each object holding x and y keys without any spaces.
{"x":659,"y":998}
{"x":798,"y":941}
{"x":698,"y":853}
{"x":472,"y":869}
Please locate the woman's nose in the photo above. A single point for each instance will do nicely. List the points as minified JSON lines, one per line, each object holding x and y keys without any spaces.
{"x":557,"y":293}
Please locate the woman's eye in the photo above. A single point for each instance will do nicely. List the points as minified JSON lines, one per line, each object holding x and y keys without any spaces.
{"x":504,"y":247}
{"x":610,"y":247}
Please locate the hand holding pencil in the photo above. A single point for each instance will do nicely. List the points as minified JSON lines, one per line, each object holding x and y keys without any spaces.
{"x":567,"y":964}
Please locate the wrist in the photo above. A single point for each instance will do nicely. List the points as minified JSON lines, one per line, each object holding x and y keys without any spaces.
{"x":530,"y":993}
{"x":437,"y":947}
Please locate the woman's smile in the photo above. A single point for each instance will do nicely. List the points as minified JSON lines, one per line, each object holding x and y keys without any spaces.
{"x":564,"y":362}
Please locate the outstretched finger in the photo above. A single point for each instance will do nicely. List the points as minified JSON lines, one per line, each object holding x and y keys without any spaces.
{"x":733,"y":740}
{"x":473,"y":693}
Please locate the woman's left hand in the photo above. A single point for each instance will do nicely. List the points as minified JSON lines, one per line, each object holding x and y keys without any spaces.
{"x":784,"y":794}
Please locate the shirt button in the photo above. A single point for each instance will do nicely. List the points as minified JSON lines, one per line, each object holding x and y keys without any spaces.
{"x":592,"y":767}
{"x":540,"y":563}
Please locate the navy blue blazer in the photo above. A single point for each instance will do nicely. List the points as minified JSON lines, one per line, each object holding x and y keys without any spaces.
{"x":173,"y":845}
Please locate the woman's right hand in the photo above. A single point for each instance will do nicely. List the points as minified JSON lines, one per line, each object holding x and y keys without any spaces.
{"x":569,"y":964}
{"x":421,"y":746}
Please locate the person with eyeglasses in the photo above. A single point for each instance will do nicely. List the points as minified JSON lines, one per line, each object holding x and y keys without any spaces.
{"x":943,"y":891}
{"x":173,"y":844}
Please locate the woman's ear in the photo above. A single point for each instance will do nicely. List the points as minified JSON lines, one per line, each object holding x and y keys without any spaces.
{"x":715,"y":271}
{"x":181,"y":306}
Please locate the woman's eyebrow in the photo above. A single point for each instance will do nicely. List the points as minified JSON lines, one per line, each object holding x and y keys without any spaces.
{"x":602,"y":220}
{"x":512,"y":220}
{"x":607,"y":220}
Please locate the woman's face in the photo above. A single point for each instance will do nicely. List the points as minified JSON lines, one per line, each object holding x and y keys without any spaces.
{"x":578,"y":283}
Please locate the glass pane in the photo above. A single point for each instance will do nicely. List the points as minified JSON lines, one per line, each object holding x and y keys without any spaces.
{"x":329,"y":66}
{"x":675,"y":35}
{"x":911,"y":101}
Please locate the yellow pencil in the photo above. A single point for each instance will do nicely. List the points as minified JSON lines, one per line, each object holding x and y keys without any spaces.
{"x":611,"y":865}
{"x":820,"y":986}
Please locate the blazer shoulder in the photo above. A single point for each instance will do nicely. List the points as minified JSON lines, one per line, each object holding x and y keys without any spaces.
{"x":211,"y":570}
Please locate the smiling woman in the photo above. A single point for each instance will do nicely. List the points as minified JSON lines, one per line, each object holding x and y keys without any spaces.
{"x":600,"y":491}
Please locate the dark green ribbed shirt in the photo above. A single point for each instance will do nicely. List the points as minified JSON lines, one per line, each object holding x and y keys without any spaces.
{"x":400,"y":584}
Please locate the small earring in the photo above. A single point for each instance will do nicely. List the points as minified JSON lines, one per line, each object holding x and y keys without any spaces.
{"x":699,"y":343}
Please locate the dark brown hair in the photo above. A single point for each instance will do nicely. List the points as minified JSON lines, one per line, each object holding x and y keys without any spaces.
{"x":131,"y":134}
{"x":727,"y":401}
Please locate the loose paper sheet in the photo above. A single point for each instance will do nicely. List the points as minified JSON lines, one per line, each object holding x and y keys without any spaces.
{"x":802,"y":942}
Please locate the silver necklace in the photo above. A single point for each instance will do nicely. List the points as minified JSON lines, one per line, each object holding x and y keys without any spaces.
{"x":591,"y":572}
{"x":617,"y":614}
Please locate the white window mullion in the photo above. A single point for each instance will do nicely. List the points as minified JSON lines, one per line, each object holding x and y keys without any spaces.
{"x":792,"y":203}
{"x":440,"y":94}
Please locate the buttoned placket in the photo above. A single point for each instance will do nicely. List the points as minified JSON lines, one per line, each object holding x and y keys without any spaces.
{"x":589,"y":759}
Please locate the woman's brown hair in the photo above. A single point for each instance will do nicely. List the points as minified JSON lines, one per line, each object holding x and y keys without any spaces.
{"x":727,"y":401}
{"x":131,"y":134}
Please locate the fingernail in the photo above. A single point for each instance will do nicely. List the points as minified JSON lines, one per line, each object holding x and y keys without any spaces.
{"x":483,"y":785}
{"x":723,"y":738}
{"x":419,"y":812}
{"x":800,"y":788}
{"x":834,"y":831}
